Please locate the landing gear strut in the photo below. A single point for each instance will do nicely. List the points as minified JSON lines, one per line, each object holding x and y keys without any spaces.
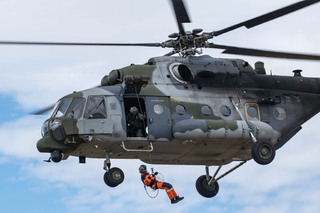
{"x":208,"y":186}
{"x":113,"y":176}
{"x":56,"y":156}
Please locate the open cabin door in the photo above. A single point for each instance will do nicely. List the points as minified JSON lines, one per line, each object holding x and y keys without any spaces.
{"x":156,"y":123}
{"x":136,"y":118}
{"x":158,"y":118}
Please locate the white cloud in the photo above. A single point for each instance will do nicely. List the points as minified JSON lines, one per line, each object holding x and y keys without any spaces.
{"x":18,"y":138}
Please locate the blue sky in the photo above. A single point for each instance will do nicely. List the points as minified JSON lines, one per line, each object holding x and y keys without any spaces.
{"x":9,"y":109}
{"x":35,"y":77}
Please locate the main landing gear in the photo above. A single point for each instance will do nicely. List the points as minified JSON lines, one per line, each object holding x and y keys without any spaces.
{"x":208,"y":186}
{"x":263,"y":152}
{"x":113,"y":176}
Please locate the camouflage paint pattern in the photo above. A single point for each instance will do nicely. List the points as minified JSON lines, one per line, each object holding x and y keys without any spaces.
{"x":188,"y":113}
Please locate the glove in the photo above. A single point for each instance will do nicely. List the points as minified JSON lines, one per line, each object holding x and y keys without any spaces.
{"x":156,"y":173}
{"x":140,"y":116}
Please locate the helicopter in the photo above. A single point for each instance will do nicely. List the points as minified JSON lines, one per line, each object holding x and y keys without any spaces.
{"x":197,"y":110}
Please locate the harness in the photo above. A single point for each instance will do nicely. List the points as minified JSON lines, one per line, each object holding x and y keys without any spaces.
{"x":145,"y":177}
{"x":152,"y":183}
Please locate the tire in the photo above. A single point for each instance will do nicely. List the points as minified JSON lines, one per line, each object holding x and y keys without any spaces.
{"x":114,"y":177}
{"x":263,"y":152}
{"x":206,"y":190}
{"x":107,"y":181}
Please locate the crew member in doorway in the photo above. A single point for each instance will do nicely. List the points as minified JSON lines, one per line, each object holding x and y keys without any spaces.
{"x":135,"y":123}
{"x":151,"y":181}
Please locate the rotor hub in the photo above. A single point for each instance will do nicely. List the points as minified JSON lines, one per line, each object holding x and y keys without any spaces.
{"x":188,"y":43}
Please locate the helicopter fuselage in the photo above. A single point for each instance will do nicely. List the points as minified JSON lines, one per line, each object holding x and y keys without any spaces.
{"x":196,"y":111}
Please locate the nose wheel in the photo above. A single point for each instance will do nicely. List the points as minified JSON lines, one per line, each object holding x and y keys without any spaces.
{"x":113,"y":176}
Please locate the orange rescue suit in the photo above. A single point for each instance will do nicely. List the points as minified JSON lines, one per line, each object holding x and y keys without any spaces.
{"x":150,"y":180}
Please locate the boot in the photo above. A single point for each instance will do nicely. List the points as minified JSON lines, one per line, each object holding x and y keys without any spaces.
{"x":176,"y":199}
{"x":171,"y":193}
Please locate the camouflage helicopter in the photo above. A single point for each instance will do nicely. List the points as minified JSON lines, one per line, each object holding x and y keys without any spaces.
{"x":192,"y":110}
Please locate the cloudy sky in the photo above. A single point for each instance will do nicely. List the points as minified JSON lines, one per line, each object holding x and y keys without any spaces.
{"x":33,"y":77}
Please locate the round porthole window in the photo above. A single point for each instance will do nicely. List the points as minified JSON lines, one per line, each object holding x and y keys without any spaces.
{"x":279,"y":113}
{"x":158,"y":109}
{"x":206,"y":110}
{"x":252,"y":112}
{"x":225,"y":111}
{"x":181,"y":110}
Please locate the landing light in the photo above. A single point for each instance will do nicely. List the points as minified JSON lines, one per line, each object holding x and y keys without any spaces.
{"x":55,"y":124}
{"x":45,"y":128}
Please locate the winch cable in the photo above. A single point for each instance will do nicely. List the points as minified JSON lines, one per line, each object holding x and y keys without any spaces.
{"x":140,"y":107}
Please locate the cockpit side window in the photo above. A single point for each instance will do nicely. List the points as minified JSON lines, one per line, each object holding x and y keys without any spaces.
{"x":61,"y":108}
{"x":96,"y":108}
{"x":76,"y":108}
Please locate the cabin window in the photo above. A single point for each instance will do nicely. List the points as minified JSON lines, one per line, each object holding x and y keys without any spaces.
{"x":76,"y":108}
{"x":279,"y":113}
{"x":158,"y":109}
{"x":206,"y":110}
{"x":252,"y":111}
{"x":180,"y":109}
{"x":225,"y":111}
{"x":96,"y":108}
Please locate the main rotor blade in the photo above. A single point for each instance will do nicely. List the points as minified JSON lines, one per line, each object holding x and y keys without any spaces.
{"x":43,"y":110}
{"x":268,"y":17}
{"x":181,"y":14}
{"x":78,"y":44}
{"x":263,"y":53}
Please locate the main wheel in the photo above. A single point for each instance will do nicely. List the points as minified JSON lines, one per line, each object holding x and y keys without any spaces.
{"x":263,"y":152}
{"x":114,"y":177}
{"x":205,"y":189}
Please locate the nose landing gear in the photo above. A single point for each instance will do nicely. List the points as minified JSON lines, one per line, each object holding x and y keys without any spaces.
{"x":56,"y":156}
{"x":113,"y":176}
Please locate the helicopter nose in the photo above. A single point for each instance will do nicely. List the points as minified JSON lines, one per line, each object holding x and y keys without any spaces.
{"x":48,"y":143}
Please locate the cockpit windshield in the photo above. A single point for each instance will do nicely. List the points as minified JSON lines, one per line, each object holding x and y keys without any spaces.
{"x":71,"y":108}
{"x":76,"y":108}
{"x":61,"y":108}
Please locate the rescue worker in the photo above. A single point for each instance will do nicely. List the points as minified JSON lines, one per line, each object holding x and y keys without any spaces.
{"x":151,"y":181}
{"x":135,"y":123}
